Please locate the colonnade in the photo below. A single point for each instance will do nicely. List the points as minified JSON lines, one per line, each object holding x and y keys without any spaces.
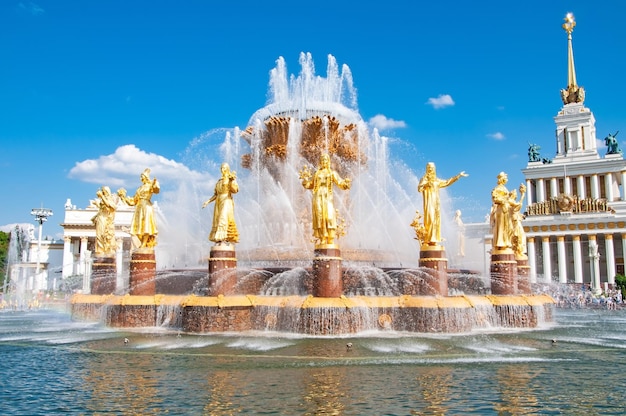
{"x":540,"y":190}
{"x":566,"y":263}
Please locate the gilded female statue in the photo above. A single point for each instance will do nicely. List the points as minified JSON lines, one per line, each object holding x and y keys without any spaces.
{"x":104,"y":221}
{"x":224,"y":228}
{"x":429,"y":187}
{"x":505,"y":223}
{"x":323,"y":208}
{"x":143,"y":225}
{"x":501,"y":214}
{"x":518,"y":235}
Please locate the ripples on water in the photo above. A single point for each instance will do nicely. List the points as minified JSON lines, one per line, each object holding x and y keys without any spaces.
{"x":51,"y":365}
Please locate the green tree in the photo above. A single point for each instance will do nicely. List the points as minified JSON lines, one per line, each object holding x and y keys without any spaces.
{"x":4,"y":251}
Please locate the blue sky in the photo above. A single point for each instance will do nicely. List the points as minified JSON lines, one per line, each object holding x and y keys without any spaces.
{"x":94,"y":91}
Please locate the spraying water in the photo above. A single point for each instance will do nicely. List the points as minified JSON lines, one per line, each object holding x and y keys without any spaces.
{"x":306,"y":115}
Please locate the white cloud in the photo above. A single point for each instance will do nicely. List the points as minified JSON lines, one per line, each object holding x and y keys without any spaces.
{"x":30,"y":8}
{"x":124,"y":167}
{"x":496,"y":136}
{"x":442,"y":101}
{"x":382,"y":123}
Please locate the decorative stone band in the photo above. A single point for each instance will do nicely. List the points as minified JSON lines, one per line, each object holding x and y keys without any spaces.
{"x":142,"y":261}
{"x":327,"y":258}
{"x":223,"y":259}
{"x":433,"y":259}
{"x":503,"y":262}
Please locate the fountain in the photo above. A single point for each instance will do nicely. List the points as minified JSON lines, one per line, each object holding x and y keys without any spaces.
{"x":281,"y":280}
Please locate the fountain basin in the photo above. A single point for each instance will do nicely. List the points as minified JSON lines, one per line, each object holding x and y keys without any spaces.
{"x":315,"y":315}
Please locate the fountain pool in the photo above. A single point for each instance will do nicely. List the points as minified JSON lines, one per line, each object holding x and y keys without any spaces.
{"x":55,"y":365}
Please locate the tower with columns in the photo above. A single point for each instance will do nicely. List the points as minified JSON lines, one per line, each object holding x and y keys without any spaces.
{"x":576,"y":201}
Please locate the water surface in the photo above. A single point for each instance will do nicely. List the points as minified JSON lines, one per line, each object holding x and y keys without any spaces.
{"x":51,"y":365}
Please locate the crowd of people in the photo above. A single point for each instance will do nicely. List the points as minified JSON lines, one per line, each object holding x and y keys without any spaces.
{"x":582,"y":296}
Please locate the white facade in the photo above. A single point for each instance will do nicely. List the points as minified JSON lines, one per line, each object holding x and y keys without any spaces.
{"x":576,"y":202}
{"x":79,"y":235}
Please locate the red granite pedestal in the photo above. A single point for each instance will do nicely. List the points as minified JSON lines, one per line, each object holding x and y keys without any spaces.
{"x":523,"y":276}
{"x":222,"y":267}
{"x":103,"y":275}
{"x":433,"y":259}
{"x":503,"y":272}
{"x":327,"y":272}
{"x":142,"y":279}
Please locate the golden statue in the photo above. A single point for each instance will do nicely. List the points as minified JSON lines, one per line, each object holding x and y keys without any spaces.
{"x":504,"y":205}
{"x":143,"y":226}
{"x":224,"y":228}
{"x":518,"y":235}
{"x":323,"y":209}
{"x":104,"y":221}
{"x":429,"y":187}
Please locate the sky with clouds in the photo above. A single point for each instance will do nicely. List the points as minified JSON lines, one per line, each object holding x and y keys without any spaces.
{"x":94,"y":92}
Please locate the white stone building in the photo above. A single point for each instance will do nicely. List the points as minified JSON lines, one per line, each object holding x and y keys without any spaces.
{"x":575,"y":203}
{"x":79,"y":235}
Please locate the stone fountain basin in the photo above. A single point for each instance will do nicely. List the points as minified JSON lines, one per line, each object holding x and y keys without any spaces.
{"x":316,"y":315}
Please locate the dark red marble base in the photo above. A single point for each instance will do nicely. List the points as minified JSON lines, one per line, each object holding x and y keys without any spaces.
{"x":433,"y":259}
{"x":503,"y":273}
{"x":103,"y":275}
{"x":142,"y":279}
{"x":523,"y":276}
{"x":222,"y":271}
{"x":327,"y":273}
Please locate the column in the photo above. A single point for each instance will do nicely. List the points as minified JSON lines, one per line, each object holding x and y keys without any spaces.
{"x":82,"y":265}
{"x":541,"y":192}
{"x":582,"y":192}
{"x":529,"y":192}
{"x":624,"y":248}
{"x":547,"y":259}
{"x":554,"y":187}
{"x":567,"y":185}
{"x":532,"y":259}
{"x":578,"y":259}
{"x":594,"y":264}
{"x":68,"y":257}
{"x":608,"y":186}
{"x":623,"y":195}
{"x":610,"y":258}
{"x":595,"y":194}
{"x":560,"y":242}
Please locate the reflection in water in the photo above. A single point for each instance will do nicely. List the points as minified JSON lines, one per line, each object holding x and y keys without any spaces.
{"x":325,"y":393}
{"x":52,"y":365}
{"x":128,"y":388}
{"x":221,"y":392}
{"x":434,"y":386}
{"x":516,"y":392}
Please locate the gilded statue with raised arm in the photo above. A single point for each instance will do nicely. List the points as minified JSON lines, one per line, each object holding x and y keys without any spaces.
{"x":429,"y":187}
{"x":143,"y":226}
{"x":104,"y":222}
{"x":224,"y":229}
{"x":324,"y":215}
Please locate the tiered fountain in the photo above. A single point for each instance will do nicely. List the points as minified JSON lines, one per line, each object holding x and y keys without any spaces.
{"x":281,"y":280}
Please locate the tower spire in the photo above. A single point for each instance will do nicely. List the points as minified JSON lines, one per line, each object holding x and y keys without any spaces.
{"x":573,"y":93}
